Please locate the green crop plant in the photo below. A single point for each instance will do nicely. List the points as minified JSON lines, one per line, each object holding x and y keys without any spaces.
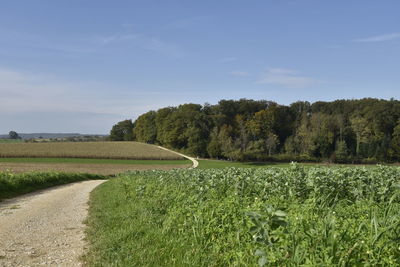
{"x":291,"y":216}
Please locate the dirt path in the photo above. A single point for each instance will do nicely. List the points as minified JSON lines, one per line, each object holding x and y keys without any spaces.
{"x":195,"y":162}
{"x":45,"y":227}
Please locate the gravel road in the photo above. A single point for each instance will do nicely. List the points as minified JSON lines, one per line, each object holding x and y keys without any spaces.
{"x":195,"y":163}
{"x":45,"y":227}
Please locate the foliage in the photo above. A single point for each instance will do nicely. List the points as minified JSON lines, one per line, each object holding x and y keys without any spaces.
{"x":122,"y":131}
{"x":16,"y":184}
{"x":145,"y":128}
{"x":260,"y":130}
{"x":395,"y":143}
{"x":13,"y":135}
{"x":248,"y":217}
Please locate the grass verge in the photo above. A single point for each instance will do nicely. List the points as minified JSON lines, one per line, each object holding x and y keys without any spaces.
{"x":16,"y":184}
{"x":219,"y":164}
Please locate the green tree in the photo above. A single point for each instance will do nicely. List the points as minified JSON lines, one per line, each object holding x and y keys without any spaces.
{"x":362,"y":131}
{"x":394,"y":150}
{"x":13,"y":135}
{"x":271,"y":143}
{"x":122,"y":131}
{"x":226,"y":141}
{"x":145,"y":128}
{"x":341,"y":152}
{"x":214,"y":147}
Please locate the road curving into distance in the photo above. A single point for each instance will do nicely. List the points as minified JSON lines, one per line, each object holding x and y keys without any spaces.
{"x":193,"y":160}
{"x":45,"y":227}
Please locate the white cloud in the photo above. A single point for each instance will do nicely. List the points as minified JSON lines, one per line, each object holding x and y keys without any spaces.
{"x":286,"y":78}
{"x":240,"y":73}
{"x":378,"y":38}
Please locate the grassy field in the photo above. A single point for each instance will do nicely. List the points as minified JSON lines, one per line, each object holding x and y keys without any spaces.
{"x":8,"y":141}
{"x":218,"y":164}
{"x":15,"y":184}
{"x":96,"y":150}
{"x":292,"y":216}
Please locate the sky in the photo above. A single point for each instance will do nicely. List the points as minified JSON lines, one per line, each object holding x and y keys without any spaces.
{"x":83,"y":65}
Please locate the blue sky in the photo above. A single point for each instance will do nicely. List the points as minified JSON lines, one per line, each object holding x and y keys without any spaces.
{"x":81,"y":66}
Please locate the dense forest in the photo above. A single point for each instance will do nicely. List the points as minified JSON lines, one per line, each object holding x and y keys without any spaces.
{"x":356,"y":131}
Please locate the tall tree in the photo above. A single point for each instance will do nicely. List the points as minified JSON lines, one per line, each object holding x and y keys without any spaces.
{"x":347,"y":130}
{"x":394,"y":151}
{"x":13,"y":135}
{"x":122,"y":131}
{"x":145,"y":128}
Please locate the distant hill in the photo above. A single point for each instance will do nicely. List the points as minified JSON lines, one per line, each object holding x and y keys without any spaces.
{"x":49,"y":135}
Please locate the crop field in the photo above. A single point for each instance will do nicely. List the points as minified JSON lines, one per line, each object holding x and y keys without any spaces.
{"x":96,"y":150}
{"x":93,"y":168}
{"x":337,"y":216}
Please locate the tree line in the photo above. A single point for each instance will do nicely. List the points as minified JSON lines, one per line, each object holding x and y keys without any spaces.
{"x":357,"y":131}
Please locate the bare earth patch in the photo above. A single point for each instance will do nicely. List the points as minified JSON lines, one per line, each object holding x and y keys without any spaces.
{"x":45,"y":227}
{"x":105,"y":169}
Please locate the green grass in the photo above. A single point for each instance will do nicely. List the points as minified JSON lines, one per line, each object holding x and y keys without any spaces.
{"x":94,"y":161}
{"x":16,"y":184}
{"x":218,"y":164}
{"x":291,"y":216}
{"x":11,"y":141}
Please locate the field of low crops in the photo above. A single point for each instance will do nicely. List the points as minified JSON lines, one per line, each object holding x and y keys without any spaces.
{"x":248,"y":217}
{"x":98,"y":150}
{"x":93,"y":168}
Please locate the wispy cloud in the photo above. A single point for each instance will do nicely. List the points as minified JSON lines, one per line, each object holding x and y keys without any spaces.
{"x":139,"y":40}
{"x":378,"y":38}
{"x":34,"y":92}
{"x":84,"y":44}
{"x":188,"y":22}
{"x":286,"y":78}
{"x":227,"y":59}
{"x":240,"y":73}
{"x":116,"y":38}
{"x":30,"y":95}
{"x":46,"y":43}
